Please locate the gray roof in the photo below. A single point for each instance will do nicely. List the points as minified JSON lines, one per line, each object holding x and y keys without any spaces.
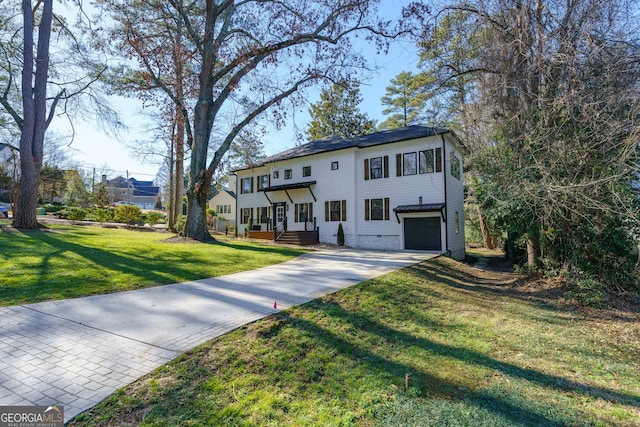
{"x":334,"y":143}
{"x":428,"y":207}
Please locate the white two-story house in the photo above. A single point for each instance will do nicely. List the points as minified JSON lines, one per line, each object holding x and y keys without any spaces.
{"x":395,"y":190}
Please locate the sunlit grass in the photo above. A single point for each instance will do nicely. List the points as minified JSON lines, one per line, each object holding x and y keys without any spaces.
{"x":477,"y":353}
{"x":72,"y":261}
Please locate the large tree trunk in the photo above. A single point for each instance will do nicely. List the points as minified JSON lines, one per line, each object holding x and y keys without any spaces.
{"x":180,"y":118}
{"x":179,"y":167}
{"x":196,"y":225}
{"x":533,"y":249}
{"x":199,"y":182}
{"x":487,"y":239}
{"x":34,"y":102}
{"x":172,"y":184}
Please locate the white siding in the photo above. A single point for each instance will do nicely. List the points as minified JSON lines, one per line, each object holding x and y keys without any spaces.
{"x":455,"y":203}
{"x":348,"y":183}
{"x":401,"y":190}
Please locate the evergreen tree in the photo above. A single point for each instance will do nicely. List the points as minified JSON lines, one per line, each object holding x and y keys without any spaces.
{"x":52,"y":183}
{"x":101,"y":196}
{"x":405,"y":101}
{"x":337,"y":113}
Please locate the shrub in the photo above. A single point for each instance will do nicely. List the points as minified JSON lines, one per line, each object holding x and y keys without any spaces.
{"x":247,"y":227}
{"x":76,"y":214}
{"x":180,"y":222}
{"x":340,"y":235}
{"x":127,"y":214}
{"x":210,"y":214}
{"x":103,"y":215}
{"x":588,"y":291}
{"x":53,"y":208}
{"x":154,"y":218}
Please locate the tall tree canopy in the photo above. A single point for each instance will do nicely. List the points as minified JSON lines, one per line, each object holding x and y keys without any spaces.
{"x":404,"y":100}
{"x":559,"y":85}
{"x":250,"y":57}
{"x":337,"y":113}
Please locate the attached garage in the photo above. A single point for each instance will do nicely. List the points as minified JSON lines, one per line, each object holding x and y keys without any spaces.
{"x":423,"y":234}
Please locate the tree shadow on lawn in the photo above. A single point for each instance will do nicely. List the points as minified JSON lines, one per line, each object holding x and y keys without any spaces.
{"x":520,"y":414}
{"x":143,"y":268}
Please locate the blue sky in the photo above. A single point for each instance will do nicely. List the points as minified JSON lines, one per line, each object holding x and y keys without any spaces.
{"x":93,"y":148}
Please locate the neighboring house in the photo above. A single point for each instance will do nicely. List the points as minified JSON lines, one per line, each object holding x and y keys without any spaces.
{"x":140,"y":193}
{"x":224,"y":203}
{"x":393,"y":190}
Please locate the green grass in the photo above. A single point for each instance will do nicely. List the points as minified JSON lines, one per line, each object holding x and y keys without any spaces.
{"x":73,"y":261}
{"x":478,"y":353}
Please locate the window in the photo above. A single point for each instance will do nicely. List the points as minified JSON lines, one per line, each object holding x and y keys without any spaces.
{"x":288,"y":174}
{"x":245,"y":214}
{"x":426,"y":161}
{"x":263,"y":181}
{"x":276,"y":174}
{"x":335,"y":210}
{"x":264,"y":215}
{"x":375,"y":165}
{"x":334,"y":166}
{"x":303,"y":212}
{"x":228,"y":208}
{"x":457,"y":223}
{"x":409,"y":163}
{"x":455,"y":166}
{"x":376,"y":209}
{"x":438,"y":159}
{"x":376,"y":168}
{"x":247,"y":186}
{"x":306,"y":171}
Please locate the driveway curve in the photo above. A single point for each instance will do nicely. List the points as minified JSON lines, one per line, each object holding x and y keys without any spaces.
{"x":76,"y":352}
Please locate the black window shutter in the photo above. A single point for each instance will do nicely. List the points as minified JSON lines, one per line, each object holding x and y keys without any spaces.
{"x":386,"y":208}
{"x":344,"y":210}
{"x":366,"y":209}
{"x":326,"y":211}
{"x":398,"y":164}
{"x":366,"y":169}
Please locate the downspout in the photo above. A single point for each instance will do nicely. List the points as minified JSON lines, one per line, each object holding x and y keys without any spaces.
{"x":446,"y":205}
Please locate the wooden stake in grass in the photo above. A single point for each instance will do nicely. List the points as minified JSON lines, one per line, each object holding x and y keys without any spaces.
{"x":406,"y":382}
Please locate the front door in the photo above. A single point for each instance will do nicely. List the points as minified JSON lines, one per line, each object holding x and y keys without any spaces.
{"x":280,"y":209}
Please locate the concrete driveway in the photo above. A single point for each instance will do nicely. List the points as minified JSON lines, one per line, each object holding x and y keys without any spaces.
{"x":77,"y":352}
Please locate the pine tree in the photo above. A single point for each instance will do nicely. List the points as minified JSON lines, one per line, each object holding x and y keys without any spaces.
{"x":337,"y":113}
{"x":405,"y":101}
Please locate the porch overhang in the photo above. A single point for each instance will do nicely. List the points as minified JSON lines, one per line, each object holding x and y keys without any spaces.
{"x":292,"y":186}
{"x":428,"y":207}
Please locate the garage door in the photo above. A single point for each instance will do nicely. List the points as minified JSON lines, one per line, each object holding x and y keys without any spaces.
{"x":422,"y":234}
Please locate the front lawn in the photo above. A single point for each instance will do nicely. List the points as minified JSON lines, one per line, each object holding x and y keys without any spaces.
{"x":72,"y":261}
{"x":478,"y":349}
